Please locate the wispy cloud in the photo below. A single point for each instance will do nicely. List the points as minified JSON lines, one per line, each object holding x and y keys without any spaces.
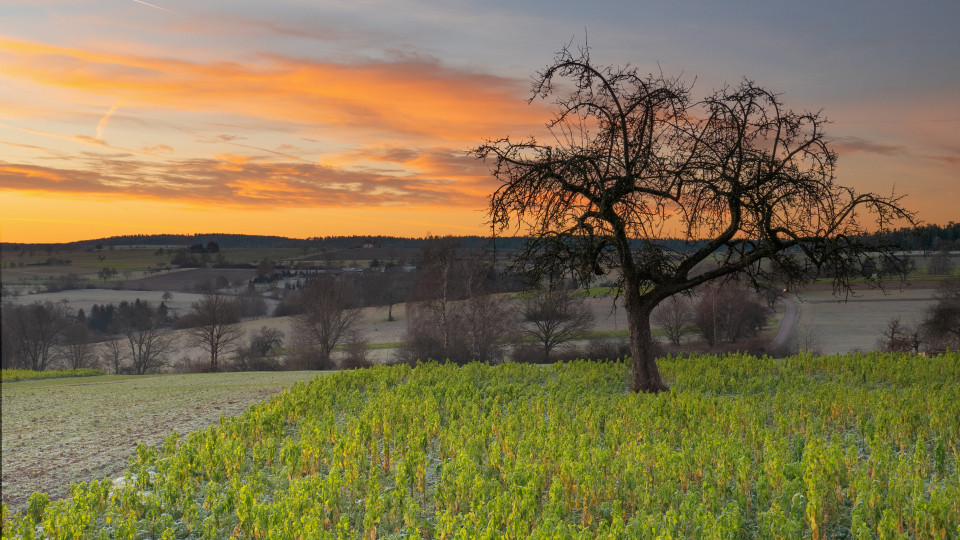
{"x":232,"y":180}
{"x":856,"y":145}
{"x":411,"y":96}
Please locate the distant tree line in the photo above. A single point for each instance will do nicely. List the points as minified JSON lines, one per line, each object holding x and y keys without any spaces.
{"x":930,"y":237}
{"x":926,"y":237}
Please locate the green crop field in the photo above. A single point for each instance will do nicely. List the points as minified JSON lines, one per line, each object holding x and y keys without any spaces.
{"x":858,"y":446}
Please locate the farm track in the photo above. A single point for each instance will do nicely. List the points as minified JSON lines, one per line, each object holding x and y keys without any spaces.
{"x":787,"y":324}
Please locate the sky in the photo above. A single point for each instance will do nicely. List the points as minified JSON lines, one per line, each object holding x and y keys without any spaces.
{"x":308,"y":118}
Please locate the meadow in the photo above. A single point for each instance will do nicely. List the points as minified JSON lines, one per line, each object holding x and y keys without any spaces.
{"x":856,"y":446}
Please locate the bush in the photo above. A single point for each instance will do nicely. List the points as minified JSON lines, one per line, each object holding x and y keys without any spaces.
{"x":356,"y":349}
{"x":606,"y":349}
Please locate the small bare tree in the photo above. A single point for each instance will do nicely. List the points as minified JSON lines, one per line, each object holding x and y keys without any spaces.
{"x":554,"y":316}
{"x":76,"y":348}
{"x":328,"y":314}
{"x":900,"y":337}
{"x":265,"y":339}
{"x":728,"y":311}
{"x":149,"y":341}
{"x":674,"y":316}
{"x":488,"y":320}
{"x":148,"y":347}
{"x":217,"y":331}
{"x":357,"y":348}
{"x":940,"y":262}
{"x":36,"y":330}
{"x":113,"y":355}
{"x":942,"y":319}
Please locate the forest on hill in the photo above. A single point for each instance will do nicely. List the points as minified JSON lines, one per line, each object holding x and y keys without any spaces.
{"x":928,"y":237}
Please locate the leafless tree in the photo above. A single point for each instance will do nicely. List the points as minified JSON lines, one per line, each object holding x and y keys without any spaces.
{"x":635,"y":161}
{"x":113,"y":354}
{"x":554,"y":316}
{"x":357,"y":348}
{"x":942,"y":319}
{"x":148,"y":347}
{"x":328,"y":313}
{"x":35,"y":330}
{"x":940,"y":262}
{"x":217,"y":331}
{"x":149,"y":341}
{"x":728,"y":311}
{"x":441,"y":281}
{"x":674,"y":316}
{"x":76,"y":347}
{"x":265,"y":339}
{"x":900,"y":337}
{"x":488,"y":320}
{"x":250,"y":303}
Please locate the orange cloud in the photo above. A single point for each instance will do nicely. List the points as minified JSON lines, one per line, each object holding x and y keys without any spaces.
{"x":411,"y":96}
{"x":237,"y":183}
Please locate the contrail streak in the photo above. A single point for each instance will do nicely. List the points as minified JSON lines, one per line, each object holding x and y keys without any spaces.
{"x":103,"y":121}
{"x":153,"y":6}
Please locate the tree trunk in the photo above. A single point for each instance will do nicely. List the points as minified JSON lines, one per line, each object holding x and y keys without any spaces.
{"x":646,"y":375}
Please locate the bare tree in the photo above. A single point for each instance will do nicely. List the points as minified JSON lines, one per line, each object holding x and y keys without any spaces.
{"x":35,"y":330}
{"x":728,"y":311}
{"x":674,"y":317}
{"x":488,"y":320}
{"x":942,"y":319}
{"x":76,"y":348}
{"x":148,"y":347}
{"x":357,"y":348}
{"x":940,"y":262}
{"x":554,"y":316}
{"x":265,"y":339}
{"x":106,"y":273}
{"x":441,"y":280}
{"x":388,"y":287}
{"x":635,"y":162}
{"x":149,"y":342}
{"x":328,"y":313}
{"x":217,"y":331}
{"x":113,"y":354}
{"x":900,"y":337}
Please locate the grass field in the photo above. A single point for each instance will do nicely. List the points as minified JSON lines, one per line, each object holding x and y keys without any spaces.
{"x":29,"y":269}
{"x":59,"y":431}
{"x":859,"y":446}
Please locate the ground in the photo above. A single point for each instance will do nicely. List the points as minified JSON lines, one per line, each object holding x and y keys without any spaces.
{"x":838,"y":326}
{"x":85,"y":439}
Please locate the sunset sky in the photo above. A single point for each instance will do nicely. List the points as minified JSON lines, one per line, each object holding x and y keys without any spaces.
{"x":310,"y":118}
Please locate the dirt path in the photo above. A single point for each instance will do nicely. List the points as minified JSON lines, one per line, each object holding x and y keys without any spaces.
{"x":787,"y":324}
